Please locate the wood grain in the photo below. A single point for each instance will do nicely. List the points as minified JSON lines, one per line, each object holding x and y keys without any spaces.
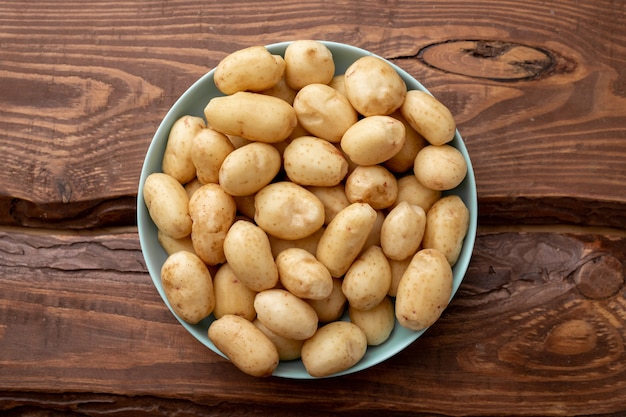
{"x":84,"y":87}
{"x":83,"y":330}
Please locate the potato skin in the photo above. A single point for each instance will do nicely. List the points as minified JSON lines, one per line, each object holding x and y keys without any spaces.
{"x":249,"y":69}
{"x":177,"y":160}
{"x":208,"y":152}
{"x":447,"y":223}
{"x":285,"y":314}
{"x":232,"y":296}
{"x":303,"y":275}
{"x":377,"y":322}
{"x":168,"y":205}
{"x":440,"y":167}
{"x":373,"y":185}
{"x":249,"y":168}
{"x":332,"y":307}
{"x":288,"y":349}
{"x":312,"y":161}
{"x":368,"y":279}
{"x":247,"y":347}
{"x":308,"y":62}
{"x":429,"y":117}
{"x":373,"y":140}
{"x":402,"y":231}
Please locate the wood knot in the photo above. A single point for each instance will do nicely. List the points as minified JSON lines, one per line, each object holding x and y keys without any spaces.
{"x":572,"y":337}
{"x":600,"y":278}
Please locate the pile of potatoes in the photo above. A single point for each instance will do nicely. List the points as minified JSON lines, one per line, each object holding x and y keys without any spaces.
{"x":301,"y":195}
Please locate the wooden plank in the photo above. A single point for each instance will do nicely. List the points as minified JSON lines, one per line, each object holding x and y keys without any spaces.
{"x":537,"y":328}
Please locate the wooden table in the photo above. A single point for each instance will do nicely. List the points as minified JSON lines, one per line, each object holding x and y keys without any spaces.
{"x":539,"y":92}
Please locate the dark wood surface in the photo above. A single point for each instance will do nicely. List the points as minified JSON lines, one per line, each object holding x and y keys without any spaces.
{"x":539,"y":92}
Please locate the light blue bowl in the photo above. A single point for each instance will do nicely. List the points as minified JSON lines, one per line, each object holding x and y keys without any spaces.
{"x":192,"y":102}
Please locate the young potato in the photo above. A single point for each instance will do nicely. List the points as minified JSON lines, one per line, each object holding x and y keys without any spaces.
{"x":253,"y":116}
{"x":308,"y":243}
{"x":188,"y":286}
{"x":324,"y":111}
{"x":311,"y":161}
{"x":338,"y":83}
{"x":171,"y":245}
{"x":332,"y":307}
{"x":402,"y":231}
{"x":288,"y":211}
{"x":192,"y":186}
{"x":248,"y":252}
{"x":397,"y":270}
{"x":413,"y":192}
{"x":246,"y":170}
{"x":303,"y":275}
{"x":249,"y":69}
{"x":374,"y":87}
{"x":373,"y":185}
{"x":168,"y":204}
{"x":285,"y":314}
{"x":335,"y":347}
{"x":333,"y":198}
{"x":177,"y":160}
{"x":308,"y":62}
{"x":213,"y":212}
{"x":447,"y":223}
{"x":232,"y":296}
{"x":368,"y":279}
{"x":344,"y":237}
{"x":282,"y":91}
{"x":377,"y":323}
{"x":403,"y":161}
{"x":208,"y":151}
{"x":429,"y":117}
{"x":440,"y":167}
{"x":247,"y":347}
{"x":288,"y":349}
{"x":373,"y":140}
{"x":424,"y":290}
{"x":373,"y":239}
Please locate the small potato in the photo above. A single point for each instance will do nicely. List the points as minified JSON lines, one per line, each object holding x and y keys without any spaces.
{"x":208,"y":152}
{"x":332,"y":307}
{"x":373,"y":140}
{"x":303,"y":275}
{"x":308,"y":62}
{"x":377,"y":323}
{"x":232,"y":296}
{"x":253,"y":116}
{"x":248,"y":252}
{"x":338,"y":83}
{"x":429,"y":117}
{"x":245,"y":205}
{"x":374,"y":87}
{"x":368,"y":279}
{"x":188,"y":286}
{"x":171,"y":245}
{"x":168,"y":204}
{"x":177,"y":160}
{"x":247,"y":347}
{"x":248,"y":169}
{"x":402,"y":231}
{"x":424,"y":290}
{"x":405,"y":158}
{"x":213,"y":212}
{"x":447,"y":223}
{"x":249,"y":69}
{"x":335,"y":347}
{"x":344,"y":237}
{"x":288,"y":349}
{"x":192,"y":186}
{"x":324,"y":111}
{"x":333,"y":198}
{"x":308,"y":243}
{"x":373,"y":239}
{"x":373,"y":185}
{"x":288,"y":211}
{"x":282,"y":91}
{"x":311,"y":161}
{"x":397,"y":270}
{"x":413,"y":192}
{"x":440,"y":167}
{"x":285,"y":314}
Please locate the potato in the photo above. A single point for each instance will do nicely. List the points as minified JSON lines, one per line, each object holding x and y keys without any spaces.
{"x":177,"y":160}
{"x":285,"y":314}
{"x":282,"y":91}
{"x":447,"y":223}
{"x":440,"y":167}
{"x":368,"y":279}
{"x":171,"y":245}
{"x":213,"y":212}
{"x":249,"y":168}
{"x":303,"y":275}
{"x":249,"y":69}
{"x":373,"y":140}
{"x":373,"y":239}
{"x":247,"y":347}
{"x":373,"y":185}
{"x":168,"y":204}
{"x":253,"y":116}
{"x":288,"y":349}
{"x":335,"y":347}
{"x":424,"y":290}
{"x":248,"y":252}
{"x":324,"y":112}
{"x":188,"y":286}
{"x":288,"y":211}
{"x":192,"y":186}
{"x":333,"y":198}
{"x":232,"y":296}
{"x":404,"y":159}
{"x":309,"y":160}
{"x":402,"y":231}
{"x":377,"y":323}
{"x":332,"y":307}
{"x":413,"y":192}
{"x":308,"y":243}
{"x":208,"y":151}
{"x":429,"y":117}
{"x":308,"y":62}
{"x":374,"y":87}
{"x":344,"y":237}
{"x":397,"y":270}
{"x":338,"y":83}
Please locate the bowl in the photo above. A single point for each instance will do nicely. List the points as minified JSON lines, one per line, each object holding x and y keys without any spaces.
{"x":192,"y":102}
